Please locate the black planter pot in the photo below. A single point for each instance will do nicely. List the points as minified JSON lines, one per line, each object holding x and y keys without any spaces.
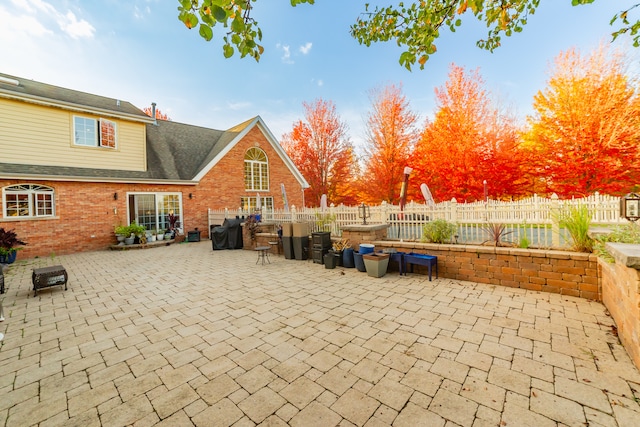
{"x":338,"y":256}
{"x":330,"y":260}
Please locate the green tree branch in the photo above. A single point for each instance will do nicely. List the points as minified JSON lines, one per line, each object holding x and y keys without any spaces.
{"x":414,"y":26}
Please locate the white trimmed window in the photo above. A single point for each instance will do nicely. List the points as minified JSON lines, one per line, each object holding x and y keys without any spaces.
{"x":250,"y":204}
{"x":256,"y":170}
{"x":28,"y":201}
{"x":89,"y":132}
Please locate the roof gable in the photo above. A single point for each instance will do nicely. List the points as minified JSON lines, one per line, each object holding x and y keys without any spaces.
{"x":235,"y":135}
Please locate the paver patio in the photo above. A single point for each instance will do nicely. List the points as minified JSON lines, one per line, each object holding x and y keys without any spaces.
{"x":183,"y":335}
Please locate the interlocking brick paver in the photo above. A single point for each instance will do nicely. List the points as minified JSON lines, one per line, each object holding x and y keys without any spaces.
{"x":259,"y":405}
{"x":391,"y":393}
{"x":301,"y":392}
{"x":454,"y":407}
{"x":584,"y":394}
{"x":356,"y":407}
{"x":450,"y":369}
{"x":130,"y":388}
{"x":174,"y":400}
{"x":32,"y":412}
{"x":521,"y":416}
{"x":510,"y":380}
{"x":414,"y":416}
{"x":227,"y":342}
{"x":484,"y":393}
{"x":557,"y":408}
{"x":256,"y":378}
{"x":315,"y":415}
{"x":220,"y":414}
{"x":337,"y":381}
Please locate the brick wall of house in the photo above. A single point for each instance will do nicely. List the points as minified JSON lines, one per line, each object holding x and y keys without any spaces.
{"x":86,"y":213}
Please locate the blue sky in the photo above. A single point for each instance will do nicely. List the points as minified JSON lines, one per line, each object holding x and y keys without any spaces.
{"x":137,"y":50}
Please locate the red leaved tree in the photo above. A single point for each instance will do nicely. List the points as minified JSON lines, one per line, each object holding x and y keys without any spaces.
{"x":391,"y":134}
{"x":322,"y":151}
{"x":469,"y":141}
{"x":585,"y":132}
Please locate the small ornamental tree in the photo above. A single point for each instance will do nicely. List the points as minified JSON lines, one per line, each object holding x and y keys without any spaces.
{"x":9,"y":242}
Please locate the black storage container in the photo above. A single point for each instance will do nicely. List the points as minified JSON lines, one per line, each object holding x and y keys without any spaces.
{"x":301,"y":247}
{"x":193,"y":236}
{"x":321,"y":240}
{"x":287,"y":247}
{"x":318,"y":255}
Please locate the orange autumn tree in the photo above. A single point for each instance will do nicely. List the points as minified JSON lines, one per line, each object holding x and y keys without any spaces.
{"x":159,"y":114}
{"x":585,"y":132}
{"x":391,"y":134}
{"x":469,"y":141}
{"x":322,"y":151}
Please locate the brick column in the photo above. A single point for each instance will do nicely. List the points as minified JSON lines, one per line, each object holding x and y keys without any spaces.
{"x":357,"y":234}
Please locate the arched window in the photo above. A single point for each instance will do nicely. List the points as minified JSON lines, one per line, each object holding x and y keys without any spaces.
{"x":28,"y":201}
{"x":256,"y":170}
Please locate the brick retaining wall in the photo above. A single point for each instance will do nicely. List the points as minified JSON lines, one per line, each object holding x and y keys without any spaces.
{"x":621,"y":296}
{"x":566,"y":273}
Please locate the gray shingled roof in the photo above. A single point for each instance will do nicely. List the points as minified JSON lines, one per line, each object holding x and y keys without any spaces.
{"x":176,"y":152}
{"x":30,"y":89}
{"x":180,"y":151}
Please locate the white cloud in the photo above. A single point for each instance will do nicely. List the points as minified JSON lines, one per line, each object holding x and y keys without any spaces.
{"x":74,"y":28}
{"x":141,"y":13}
{"x":14,"y":25}
{"x":305,"y":48}
{"x":239,"y":105}
{"x":286,"y":53}
{"x":33,"y":6}
{"x":42,"y":15}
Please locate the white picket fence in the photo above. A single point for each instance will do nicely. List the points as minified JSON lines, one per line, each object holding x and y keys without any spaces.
{"x":531,"y":218}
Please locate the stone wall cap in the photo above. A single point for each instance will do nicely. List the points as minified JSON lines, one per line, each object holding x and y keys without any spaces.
{"x":363,"y":227}
{"x":626,"y":253}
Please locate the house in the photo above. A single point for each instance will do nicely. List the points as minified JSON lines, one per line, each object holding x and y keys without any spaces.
{"x":74,"y":165}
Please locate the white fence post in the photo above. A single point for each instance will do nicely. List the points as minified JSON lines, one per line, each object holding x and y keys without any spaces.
{"x":454,"y":211}
{"x":554,"y":212}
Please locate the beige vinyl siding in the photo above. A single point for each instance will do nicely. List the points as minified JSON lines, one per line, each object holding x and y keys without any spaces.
{"x":37,"y":135}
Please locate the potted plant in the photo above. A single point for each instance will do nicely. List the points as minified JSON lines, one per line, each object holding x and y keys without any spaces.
{"x":338,"y":248}
{"x":121,"y":233}
{"x":8,"y":246}
{"x":253,"y":226}
{"x":152,"y":236}
{"x":160,"y":234}
{"x":136,"y":230}
{"x":173,"y":219}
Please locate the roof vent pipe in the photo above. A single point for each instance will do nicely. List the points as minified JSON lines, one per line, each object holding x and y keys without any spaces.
{"x":153,"y":113}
